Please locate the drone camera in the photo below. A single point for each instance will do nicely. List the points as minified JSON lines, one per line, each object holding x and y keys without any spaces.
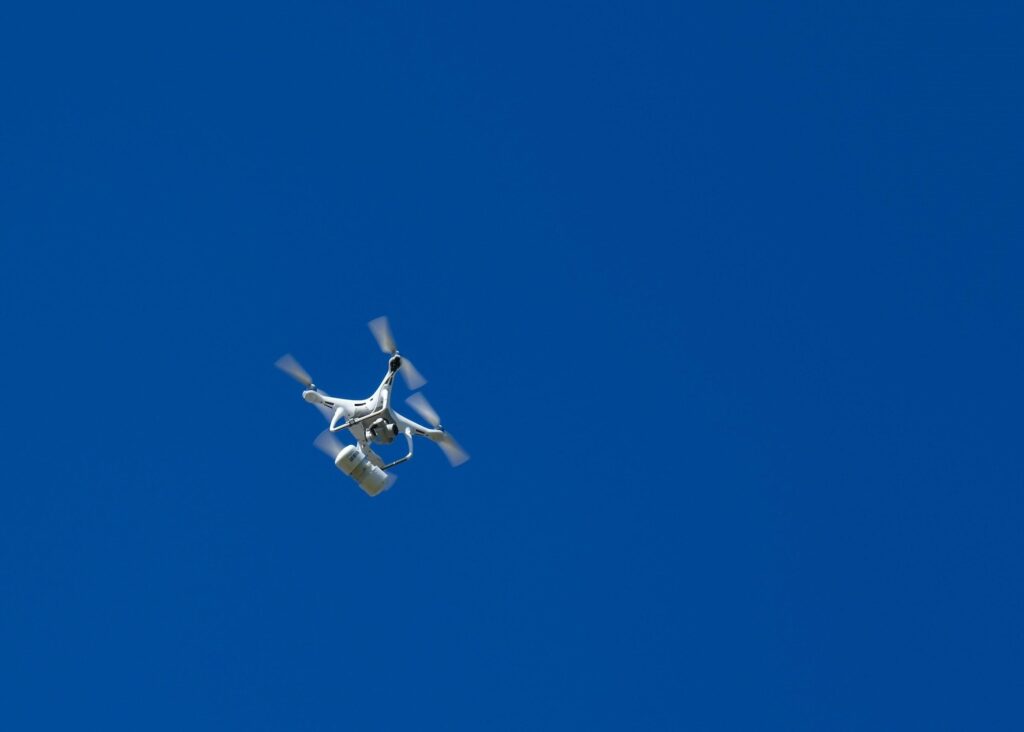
{"x":382,"y":431}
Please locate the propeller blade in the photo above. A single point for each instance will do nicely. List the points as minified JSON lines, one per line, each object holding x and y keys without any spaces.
{"x":453,"y":451}
{"x":413,"y":378}
{"x":293,"y":368}
{"x":382,"y":332}
{"x":419,"y":402}
{"x":328,"y":444}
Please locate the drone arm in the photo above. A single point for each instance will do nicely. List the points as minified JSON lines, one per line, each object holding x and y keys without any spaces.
{"x":418,"y":430}
{"x":451,"y":449}
{"x":389,"y":377}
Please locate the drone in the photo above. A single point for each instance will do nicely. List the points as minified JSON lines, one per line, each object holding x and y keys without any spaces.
{"x":374,"y":421}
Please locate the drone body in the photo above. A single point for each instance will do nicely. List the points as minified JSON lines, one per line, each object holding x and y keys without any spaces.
{"x":374,"y":421}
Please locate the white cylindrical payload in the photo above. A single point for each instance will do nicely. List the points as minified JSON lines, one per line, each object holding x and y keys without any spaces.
{"x":353,"y":462}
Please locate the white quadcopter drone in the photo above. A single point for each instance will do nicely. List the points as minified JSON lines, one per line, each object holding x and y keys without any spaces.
{"x":373,"y":420}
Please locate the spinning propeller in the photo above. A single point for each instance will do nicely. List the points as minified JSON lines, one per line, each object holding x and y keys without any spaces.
{"x":293,"y":368}
{"x":382,"y":332}
{"x":452,"y":450}
{"x":328,"y":444}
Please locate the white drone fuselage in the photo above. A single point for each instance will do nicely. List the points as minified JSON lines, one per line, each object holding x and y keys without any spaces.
{"x":372,"y":420}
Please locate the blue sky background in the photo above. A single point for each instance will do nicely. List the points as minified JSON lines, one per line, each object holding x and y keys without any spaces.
{"x":723,"y":300}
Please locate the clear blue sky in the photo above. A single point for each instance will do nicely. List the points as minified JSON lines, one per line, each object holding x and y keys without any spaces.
{"x":725,"y":301}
